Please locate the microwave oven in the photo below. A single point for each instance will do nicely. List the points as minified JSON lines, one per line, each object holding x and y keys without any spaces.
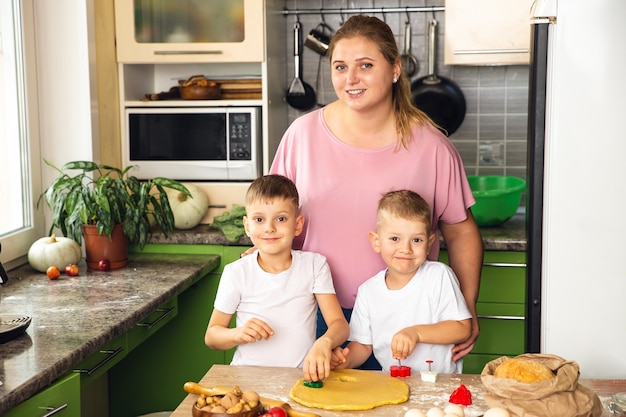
{"x":193,"y":143}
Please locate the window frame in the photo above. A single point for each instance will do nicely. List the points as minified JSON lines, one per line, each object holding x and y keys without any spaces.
{"x":15,"y":245}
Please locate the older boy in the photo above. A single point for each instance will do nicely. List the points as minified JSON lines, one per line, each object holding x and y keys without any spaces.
{"x":276,"y":291}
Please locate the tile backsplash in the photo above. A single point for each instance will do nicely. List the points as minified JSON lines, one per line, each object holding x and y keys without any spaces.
{"x":492,"y":138}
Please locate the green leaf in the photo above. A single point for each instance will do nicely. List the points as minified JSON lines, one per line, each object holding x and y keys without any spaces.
{"x":85,"y":166}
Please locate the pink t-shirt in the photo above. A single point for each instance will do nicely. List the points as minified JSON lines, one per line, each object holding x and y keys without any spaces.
{"x":340,"y":186}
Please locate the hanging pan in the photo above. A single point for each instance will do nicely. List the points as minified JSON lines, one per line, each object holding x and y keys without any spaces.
{"x":409,"y":62}
{"x":440,"y":98}
{"x":300,"y":95}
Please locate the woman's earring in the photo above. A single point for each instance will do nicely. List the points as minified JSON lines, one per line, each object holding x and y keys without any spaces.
{"x":395,"y":80}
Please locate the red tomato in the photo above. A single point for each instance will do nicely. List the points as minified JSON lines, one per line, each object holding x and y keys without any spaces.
{"x":277,"y":412}
{"x":53,"y":272}
{"x":71,"y":270}
{"x":104,"y":265}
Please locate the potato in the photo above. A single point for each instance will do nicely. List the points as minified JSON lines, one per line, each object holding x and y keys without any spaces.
{"x":229,"y":400}
{"x":251,"y":398}
{"x":218,"y":409}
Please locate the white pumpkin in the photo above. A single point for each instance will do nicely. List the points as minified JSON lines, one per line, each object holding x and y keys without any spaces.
{"x":188,"y":211}
{"x":52,"y":250}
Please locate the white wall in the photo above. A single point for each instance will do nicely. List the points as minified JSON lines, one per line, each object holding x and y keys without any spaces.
{"x":63,"y":69}
{"x":584,"y":271}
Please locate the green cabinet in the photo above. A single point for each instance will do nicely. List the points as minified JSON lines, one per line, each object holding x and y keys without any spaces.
{"x":152,"y":375}
{"x":61,"y":399}
{"x":501,"y":309}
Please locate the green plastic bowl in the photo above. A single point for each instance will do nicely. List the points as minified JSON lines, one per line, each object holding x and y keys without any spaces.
{"x":497,"y":198}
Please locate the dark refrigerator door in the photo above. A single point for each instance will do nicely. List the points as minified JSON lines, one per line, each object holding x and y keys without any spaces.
{"x":535,"y":169}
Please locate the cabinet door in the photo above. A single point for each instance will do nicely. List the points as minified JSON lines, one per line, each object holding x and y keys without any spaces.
{"x":96,"y":365}
{"x":152,"y":323}
{"x":61,"y":399}
{"x":487,"y":32}
{"x":503,"y":278}
{"x":158,"y":368}
{"x":501,"y":309}
{"x":187,"y":31}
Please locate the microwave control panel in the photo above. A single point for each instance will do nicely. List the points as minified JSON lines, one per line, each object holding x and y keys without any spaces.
{"x":240,"y":136}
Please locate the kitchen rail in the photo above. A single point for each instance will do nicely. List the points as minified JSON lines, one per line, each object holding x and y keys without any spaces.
{"x":360,"y":10}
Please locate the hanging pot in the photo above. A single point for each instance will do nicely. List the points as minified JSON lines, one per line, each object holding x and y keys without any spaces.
{"x":440,"y":98}
{"x":300,"y":95}
{"x":319,"y":38}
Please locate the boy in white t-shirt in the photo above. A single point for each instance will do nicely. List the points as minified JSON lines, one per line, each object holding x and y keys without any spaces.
{"x":414,"y":310}
{"x":276,"y":291}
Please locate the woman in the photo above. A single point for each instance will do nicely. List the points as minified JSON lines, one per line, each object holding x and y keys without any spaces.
{"x":372,"y":140}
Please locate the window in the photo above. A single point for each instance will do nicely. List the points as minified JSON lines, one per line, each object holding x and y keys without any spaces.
{"x":19,"y":145}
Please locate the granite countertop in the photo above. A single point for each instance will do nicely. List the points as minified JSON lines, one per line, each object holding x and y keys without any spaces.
{"x":509,"y":236}
{"x":73,"y":317}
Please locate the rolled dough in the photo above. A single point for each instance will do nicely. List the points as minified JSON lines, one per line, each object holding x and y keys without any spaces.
{"x":352,"y":389}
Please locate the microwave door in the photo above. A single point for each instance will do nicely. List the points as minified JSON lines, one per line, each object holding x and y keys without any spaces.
{"x":177,"y":136}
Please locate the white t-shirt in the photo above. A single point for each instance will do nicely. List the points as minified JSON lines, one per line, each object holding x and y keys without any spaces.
{"x":285,"y":301}
{"x":433,"y":295}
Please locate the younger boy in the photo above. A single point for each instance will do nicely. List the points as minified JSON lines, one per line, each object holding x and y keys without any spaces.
{"x":276,"y":291}
{"x":414,"y":310}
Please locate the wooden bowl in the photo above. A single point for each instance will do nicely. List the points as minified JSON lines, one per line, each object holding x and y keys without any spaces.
{"x":199,"y":92}
{"x":198,"y":412}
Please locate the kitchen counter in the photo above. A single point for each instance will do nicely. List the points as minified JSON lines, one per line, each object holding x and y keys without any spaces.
{"x":73,"y":317}
{"x":275,"y":383}
{"x":509,"y":236}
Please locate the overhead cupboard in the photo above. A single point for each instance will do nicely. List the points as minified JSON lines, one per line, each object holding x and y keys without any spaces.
{"x":487,"y":32}
{"x":186,"y":31}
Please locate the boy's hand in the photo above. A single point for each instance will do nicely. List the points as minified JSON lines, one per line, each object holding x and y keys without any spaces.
{"x":253,"y":330}
{"x":339,"y":358}
{"x":403,"y":343}
{"x":317,"y":363}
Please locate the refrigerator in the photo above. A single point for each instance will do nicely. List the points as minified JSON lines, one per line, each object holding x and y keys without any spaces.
{"x":576,"y":199}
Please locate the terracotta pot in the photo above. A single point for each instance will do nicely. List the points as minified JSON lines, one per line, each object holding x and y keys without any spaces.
{"x":98,"y":247}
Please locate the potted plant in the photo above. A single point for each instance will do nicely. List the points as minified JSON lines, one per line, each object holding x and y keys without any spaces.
{"x":111,"y":202}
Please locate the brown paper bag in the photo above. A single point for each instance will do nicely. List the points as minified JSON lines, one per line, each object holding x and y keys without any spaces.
{"x":559,"y":396}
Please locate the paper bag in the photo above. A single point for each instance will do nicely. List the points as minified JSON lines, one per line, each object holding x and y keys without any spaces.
{"x":558,"y":396}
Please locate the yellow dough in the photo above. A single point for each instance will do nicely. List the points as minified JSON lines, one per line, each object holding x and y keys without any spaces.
{"x":352,"y":389}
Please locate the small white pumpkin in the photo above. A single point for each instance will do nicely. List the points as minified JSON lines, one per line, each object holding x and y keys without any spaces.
{"x":188,"y":211}
{"x":52,"y":250}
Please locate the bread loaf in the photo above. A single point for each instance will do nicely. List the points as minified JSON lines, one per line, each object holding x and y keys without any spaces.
{"x":523,"y":370}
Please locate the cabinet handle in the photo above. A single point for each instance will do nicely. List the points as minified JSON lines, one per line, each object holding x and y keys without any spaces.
{"x":110,"y":355}
{"x":480,"y":316}
{"x":491,"y":51}
{"x":166,"y":312}
{"x":504,"y":264}
{"x":52,"y":411}
{"x":188,"y":52}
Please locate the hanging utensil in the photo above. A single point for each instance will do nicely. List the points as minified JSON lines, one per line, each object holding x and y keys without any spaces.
{"x":409,"y":63}
{"x":300,"y":95}
{"x":296,"y":87}
{"x":440,"y":98}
